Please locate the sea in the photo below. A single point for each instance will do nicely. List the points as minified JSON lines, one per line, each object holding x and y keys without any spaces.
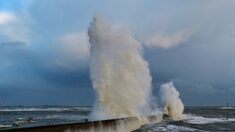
{"x":199,"y":119}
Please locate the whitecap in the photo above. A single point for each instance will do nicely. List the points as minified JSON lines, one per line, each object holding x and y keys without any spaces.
{"x":193,"y":119}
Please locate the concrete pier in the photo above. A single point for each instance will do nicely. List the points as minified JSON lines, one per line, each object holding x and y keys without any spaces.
{"x":122,"y":125}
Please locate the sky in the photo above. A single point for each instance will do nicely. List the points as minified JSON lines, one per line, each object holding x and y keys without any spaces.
{"x":44,"y":48}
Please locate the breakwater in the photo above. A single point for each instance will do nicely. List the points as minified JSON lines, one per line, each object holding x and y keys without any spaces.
{"x":118,"y":125}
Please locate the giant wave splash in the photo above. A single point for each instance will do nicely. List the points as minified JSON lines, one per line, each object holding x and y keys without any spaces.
{"x":119,"y":73}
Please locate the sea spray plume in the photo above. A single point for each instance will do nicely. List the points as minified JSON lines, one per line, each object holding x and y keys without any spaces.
{"x":119,"y":73}
{"x":173,"y":105}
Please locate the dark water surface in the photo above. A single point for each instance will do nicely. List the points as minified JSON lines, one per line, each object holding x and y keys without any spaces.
{"x":43,"y":115}
{"x":199,"y":119}
{"x":196,"y":118}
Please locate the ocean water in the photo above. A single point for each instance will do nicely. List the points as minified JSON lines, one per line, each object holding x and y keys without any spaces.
{"x":43,"y":115}
{"x":195,"y":118}
{"x":198,"y":119}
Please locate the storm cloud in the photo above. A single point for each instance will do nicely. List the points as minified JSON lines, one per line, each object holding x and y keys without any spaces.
{"x":44,"y":49}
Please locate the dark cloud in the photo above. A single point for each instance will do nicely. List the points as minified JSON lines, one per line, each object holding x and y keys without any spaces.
{"x":202,"y":66}
{"x":13,"y":43}
{"x":202,"y":70}
{"x":32,"y":78}
{"x":71,"y":79}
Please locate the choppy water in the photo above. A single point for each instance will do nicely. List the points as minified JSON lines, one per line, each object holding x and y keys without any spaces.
{"x":196,"y":118}
{"x":43,"y":115}
{"x":199,"y":119}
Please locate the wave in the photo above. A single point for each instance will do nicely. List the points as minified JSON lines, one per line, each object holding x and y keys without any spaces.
{"x":35,"y":109}
{"x":165,"y":127}
{"x":65,"y":117}
{"x":227,"y":108}
{"x":193,"y":119}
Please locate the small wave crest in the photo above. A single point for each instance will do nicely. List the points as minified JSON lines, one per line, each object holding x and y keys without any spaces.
{"x":56,"y":109}
{"x":193,"y":119}
{"x":165,"y":127}
{"x":227,"y":108}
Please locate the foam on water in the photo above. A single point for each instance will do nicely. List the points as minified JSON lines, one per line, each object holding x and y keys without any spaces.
{"x":225,"y":108}
{"x":64,"y":117}
{"x":57,"y":109}
{"x":164,"y":127}
{"x":202,"y":120}
{"x":32,"y":109}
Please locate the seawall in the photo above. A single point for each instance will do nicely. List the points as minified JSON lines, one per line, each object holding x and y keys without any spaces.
{"x":119,"y":125}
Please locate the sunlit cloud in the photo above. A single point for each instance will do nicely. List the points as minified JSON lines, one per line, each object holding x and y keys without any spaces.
{"x":14,"y":27}
{"x":166,"y":41}
{"x":6,"y":17}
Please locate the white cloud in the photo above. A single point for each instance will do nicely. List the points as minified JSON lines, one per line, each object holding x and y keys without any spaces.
{"x":74,"y":50}
{"x":6,"y":17}
{"x":14,"y":27}
{"x":166,"y":41}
